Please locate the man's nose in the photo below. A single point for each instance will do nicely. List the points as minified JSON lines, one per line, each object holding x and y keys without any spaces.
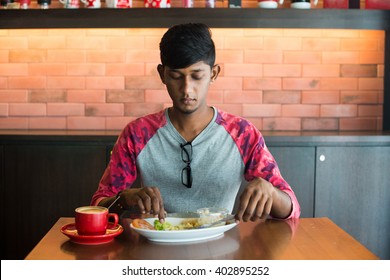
{"x":187,"y":85}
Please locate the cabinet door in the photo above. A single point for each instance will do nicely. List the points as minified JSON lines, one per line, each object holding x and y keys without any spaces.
{"x":43,"y":183}
{"x":353,"y":189}
{"x":297,"y":167}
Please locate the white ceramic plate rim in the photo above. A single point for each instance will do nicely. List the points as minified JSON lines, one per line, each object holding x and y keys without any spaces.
{"x":178,"y":236}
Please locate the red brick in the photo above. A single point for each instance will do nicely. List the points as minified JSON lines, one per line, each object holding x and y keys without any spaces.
{"x":13,"y":43}
{"x":304,"y":57}
{"x":270,"y":56}
{"x":143,"y":82}
{"x":26,"y":109}
{"x":262,"y":83}
{"x":87,"y":123}
{"x":359,"y":124}
{"x":243,"y":43}
{"x":230,"y":56}
{"x":358,"y":70}
{"x":373,"y":57}
{"x":13,"y":69}
{"x":65,"y":109}
{"x":235,"y":109}
{"x":240,"y":70}
{"x":340,"y":57}
{"x":13,"y":96}
{"x":46,"y":69}
{"x":86,"y":69}
{"x":3,"y":110}
{"x":371,"y":84}
{"x":101,"y":109}
{"x":47,"y":123}
{"x":47,"y":42}
{"x":227,"y":83}
{"x":291,"y":124}
{"x":299,"y":110}
{"x":142,"y":56}
{"x":4,"y":56}
{"x":26,"y":82}
{"x":152,"y":96}
{"x":117,"y":123}
{"x":95,"y":82}
{"x":370,"y":110}
{"x":301,"y":84}
{"x":125,"y":43}
{"x":322,"y":70}
{"x":261,"y":110}
{"x":338,"y":110}
{"x":359,"y":44}
{"x":320,"y":97}
{"x":282,"y":70}
{"x":281,"y":43}
{"x":340,"y":33}
{"x":125,"y":69}
{"x":13,"y":123}
{"x":320,"y":44}
{"x":66,"y":56}
{"x":43,"y":96}
{"x":83,"y":42}
{"x":20,"y":56}
{"x":257,"y":122}
{"x":87,"y":95}
{"x":320,"y":124}
{"x":213,"y":97}
{"x":108,"y":56}
{"x":125,"y":96}
{"x":339,"y":83}
{"x":357,"y":97}
{"x":141,"y":109}
{"x":281,"y":97}
{"x":66,"y":82}
{"x":231,"y":96}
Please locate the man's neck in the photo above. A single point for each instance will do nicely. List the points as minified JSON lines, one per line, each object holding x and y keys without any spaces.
{"x":191,"y":125}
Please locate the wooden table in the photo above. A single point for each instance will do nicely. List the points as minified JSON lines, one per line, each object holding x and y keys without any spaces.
{"x":303,"y":239}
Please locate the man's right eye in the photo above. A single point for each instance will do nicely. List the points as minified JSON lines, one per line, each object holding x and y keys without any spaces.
{"x":175,"y":76}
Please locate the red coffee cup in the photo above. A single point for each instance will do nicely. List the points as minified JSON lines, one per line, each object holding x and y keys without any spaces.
{"x":94,"y":220}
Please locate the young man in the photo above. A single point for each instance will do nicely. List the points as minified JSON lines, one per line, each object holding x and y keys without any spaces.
{"x":191,"y":155}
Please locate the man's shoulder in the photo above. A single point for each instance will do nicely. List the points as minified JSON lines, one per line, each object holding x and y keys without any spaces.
{"x":232,"y":121}
{"x":152,"y":121}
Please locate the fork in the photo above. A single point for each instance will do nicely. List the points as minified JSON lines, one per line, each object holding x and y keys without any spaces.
{"x":228,"y":218}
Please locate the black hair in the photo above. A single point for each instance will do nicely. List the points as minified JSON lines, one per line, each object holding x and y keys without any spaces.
{"x":185,"y":44}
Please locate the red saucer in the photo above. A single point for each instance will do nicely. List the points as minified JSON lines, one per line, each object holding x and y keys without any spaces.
{"x":71,"y":232}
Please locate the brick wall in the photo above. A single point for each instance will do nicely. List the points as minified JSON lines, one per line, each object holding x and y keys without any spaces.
{"x":281,"y":79}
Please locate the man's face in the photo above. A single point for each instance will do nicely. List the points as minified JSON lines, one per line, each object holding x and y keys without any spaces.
{"x":188,"y":87}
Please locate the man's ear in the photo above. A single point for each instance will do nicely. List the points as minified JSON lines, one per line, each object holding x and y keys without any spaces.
{"x":160,"y":69}
{"x":215,"y":72}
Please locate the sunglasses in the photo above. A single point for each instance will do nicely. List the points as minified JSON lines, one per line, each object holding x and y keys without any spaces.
{"x":186,"y":156}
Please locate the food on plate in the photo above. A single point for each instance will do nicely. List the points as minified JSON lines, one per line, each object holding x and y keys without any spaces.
{"x":185,"y":224}
{"x":141,"y":223}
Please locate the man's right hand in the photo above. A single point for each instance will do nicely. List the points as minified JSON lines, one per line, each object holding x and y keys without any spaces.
{"x":148,"y":200}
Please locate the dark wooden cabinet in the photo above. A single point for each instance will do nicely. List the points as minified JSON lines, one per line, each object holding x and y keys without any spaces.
{"x":297,"y":168}
{"x":353,"y":189}
{"x":42,"y":182}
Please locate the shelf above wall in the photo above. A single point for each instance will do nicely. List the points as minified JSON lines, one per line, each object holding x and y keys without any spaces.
{"x":216,"y":18}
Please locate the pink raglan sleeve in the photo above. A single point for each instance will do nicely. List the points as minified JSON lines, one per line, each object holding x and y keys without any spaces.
{"x":262,"y":164}
{"x":259,"y":162}
{"x":121,"y":171}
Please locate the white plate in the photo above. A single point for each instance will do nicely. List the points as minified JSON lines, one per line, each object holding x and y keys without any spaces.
{"x":177,"y":236}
